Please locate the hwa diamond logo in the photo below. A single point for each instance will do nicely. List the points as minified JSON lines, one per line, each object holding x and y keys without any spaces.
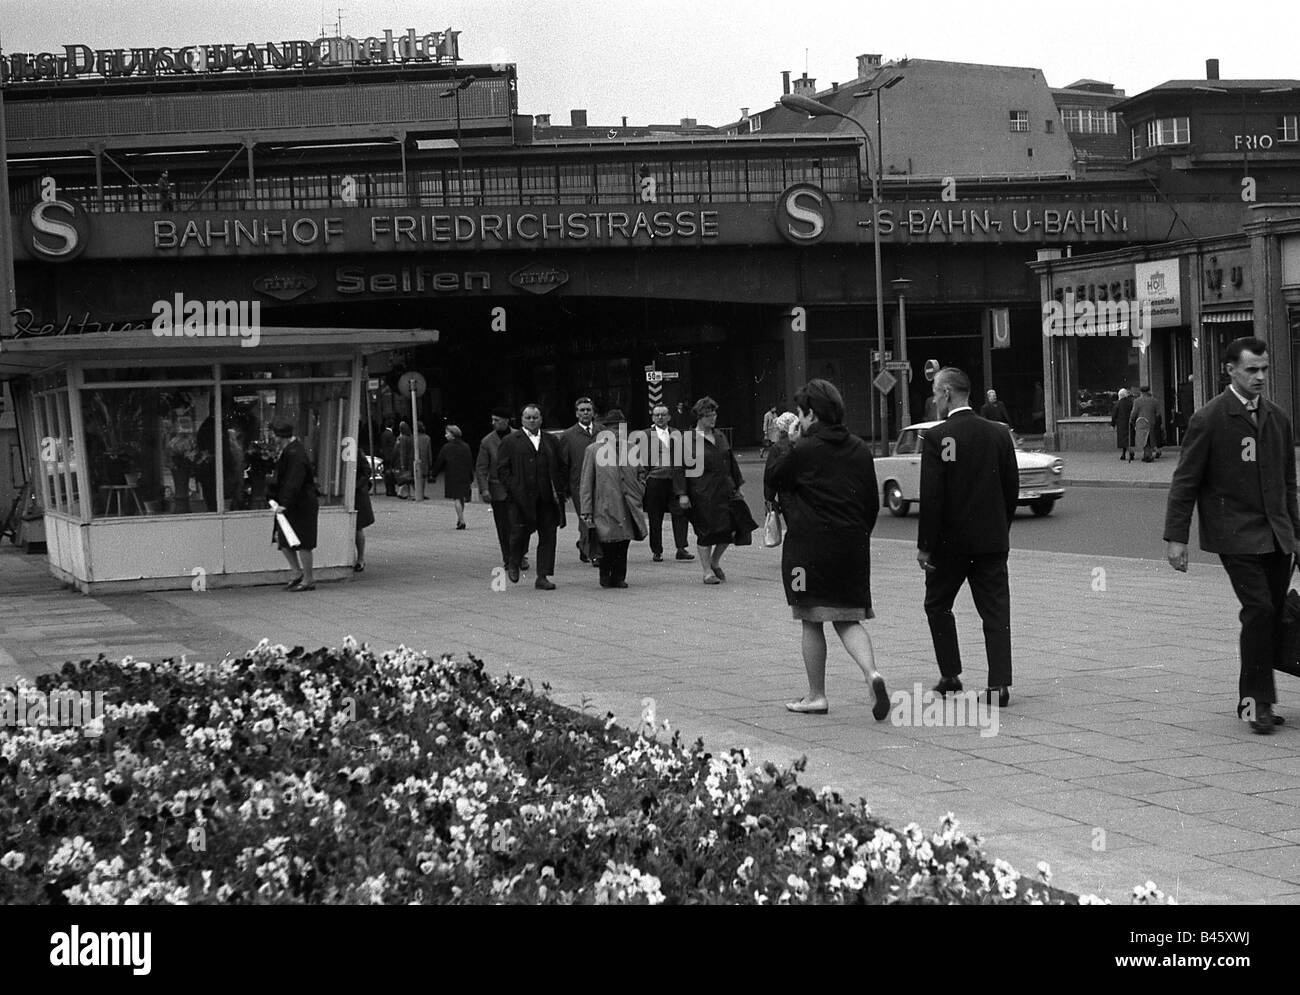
{"x":284,"y":286}
{"x":539,"y":279}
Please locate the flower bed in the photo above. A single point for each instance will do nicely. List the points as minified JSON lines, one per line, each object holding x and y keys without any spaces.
{"x":342,"y":776}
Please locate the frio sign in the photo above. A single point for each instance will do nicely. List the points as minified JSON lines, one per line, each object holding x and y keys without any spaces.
{"x":55,"y":229}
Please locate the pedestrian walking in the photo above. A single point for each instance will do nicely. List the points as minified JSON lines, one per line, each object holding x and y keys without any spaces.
{"x":1238,"y":468}
{"x":1186,"y":405}
{"x":405,"y":455}
{"x":769,"y":428}
{"x":574,"y":441}
{"x":455,"y":458}
{"x":424,"y":472}
{"x":294,"y":495}
{"x":708,"y":496}
{"x":1145,"y":420}
{"x":1120,"y":420}
{"x":388,"y":453}
{"x":995,"y":410}
{"x":611,"y":493}
{"x":365,"y":510}
{"x":533,"y":470}
{"x":969,"y":488}
{"x":827,"y":483}
{"x":659,"y":496}
{"x":788,"y":431}
{"x":490,"y":489}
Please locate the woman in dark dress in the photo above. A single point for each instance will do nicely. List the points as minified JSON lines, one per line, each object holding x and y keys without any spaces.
{"x":708,"y":495}
{"x":458,"y":461}
{"x":365,"y":510}
{"x":1120,"y":418}
{"x":294,"y":494}
{"x":827,"y":483}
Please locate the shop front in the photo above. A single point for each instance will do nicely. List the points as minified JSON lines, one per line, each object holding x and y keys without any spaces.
{"x":153,"y":457}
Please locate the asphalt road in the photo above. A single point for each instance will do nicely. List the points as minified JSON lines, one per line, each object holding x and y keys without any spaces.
{"x":1106,"y":521}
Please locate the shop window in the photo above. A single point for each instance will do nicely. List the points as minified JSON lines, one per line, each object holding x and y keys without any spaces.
{"x":1092,"y":370}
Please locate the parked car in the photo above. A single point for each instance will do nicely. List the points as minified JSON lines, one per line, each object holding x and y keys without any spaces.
{"x":900,"y":474}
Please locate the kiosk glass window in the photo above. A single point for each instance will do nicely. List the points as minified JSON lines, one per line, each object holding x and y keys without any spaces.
{"x":1090,"y":373}
{"x":57,"y":453}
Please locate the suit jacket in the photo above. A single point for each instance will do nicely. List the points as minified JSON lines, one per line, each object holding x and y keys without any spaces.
{"x":969,"y":487}
{"x":574,"y":441}
{"x":997,"y":411}
{"x":485,"y":468}
{"x":1145,"y":406}
{"x":518,"y":464}
{"x":1243,"y":505}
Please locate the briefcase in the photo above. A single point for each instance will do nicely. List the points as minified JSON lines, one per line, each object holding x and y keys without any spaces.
{"x":1289,"y":657}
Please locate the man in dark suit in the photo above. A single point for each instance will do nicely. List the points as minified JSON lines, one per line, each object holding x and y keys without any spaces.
{"x":1145,"y":407}
{"x":1238,"y":467}
{"x":532,"y":468}
{"x":969,"y":487}
{"x":574,"y":440}
{"x":659,"y":498}
{"x":490,"y":489}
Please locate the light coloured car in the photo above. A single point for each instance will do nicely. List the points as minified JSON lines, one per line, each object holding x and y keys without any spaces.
{"x":1041,"y":474}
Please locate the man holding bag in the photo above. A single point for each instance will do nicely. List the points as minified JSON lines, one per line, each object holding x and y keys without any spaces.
{"x":1238,"y":467}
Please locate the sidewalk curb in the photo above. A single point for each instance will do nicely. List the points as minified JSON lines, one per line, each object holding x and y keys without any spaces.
{"x":1151,"y":484}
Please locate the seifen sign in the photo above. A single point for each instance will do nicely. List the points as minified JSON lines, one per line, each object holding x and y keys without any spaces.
{"x":76,"y":61}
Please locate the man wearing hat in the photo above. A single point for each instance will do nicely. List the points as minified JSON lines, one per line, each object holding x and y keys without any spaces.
{"x":490,"y":489}
{"x":610,"y":498}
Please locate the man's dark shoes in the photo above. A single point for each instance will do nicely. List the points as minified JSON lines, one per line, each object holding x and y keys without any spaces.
{"x":582,"y":555}
{"x":658,"y":557}
{"x":542,"y":584}
{"x":1277,"y":719}
{"x":683,"y":554}
{"x":948,"y":684}
{"x":1004,"y":696}
{"x":523,"y":564}
{"x":513,"y":574}
{"x":1263,"y":722}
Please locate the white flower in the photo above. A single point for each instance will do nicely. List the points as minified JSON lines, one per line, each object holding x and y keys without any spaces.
{"x":1045,"y":871}
{"x":857,"y":877}
{"x":13,"y":860}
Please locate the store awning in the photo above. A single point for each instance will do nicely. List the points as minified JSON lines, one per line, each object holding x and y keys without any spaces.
{"x":30,"y":355}
{"x":1224,"y":317}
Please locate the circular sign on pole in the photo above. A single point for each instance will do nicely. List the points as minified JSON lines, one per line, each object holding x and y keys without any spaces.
{"x":412,"y":383}
{"x":931,"y":369}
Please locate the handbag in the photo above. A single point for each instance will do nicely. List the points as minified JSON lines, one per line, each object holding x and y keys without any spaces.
{"x":742,"y":522}
{"x":773,"y":532}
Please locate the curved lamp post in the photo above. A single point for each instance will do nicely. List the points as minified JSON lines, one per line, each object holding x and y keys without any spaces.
{"x":454,"y":92}
{"x":814,"y":108}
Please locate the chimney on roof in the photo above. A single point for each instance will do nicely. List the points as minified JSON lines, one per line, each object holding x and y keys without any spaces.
{"x":1211,"y":68}
{"x":867,"y":64}
{"x":624,"y":120}
{"x":805,"y":85}
{"x":785,"y":81}
{"x":578,"y":118}
{"x":542,"y":120}
{"x":689,"y":122}
{"x":835,"y":88}
{"x":744,"y":113}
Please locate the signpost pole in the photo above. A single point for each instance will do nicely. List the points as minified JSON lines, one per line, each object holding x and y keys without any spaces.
{"x":415,"y":450}
{"x":7,"y":293}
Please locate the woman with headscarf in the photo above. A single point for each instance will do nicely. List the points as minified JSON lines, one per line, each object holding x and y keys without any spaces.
{"x":708,"y":495}
{"x":827,"y":483}
{"x":294,"y":495}
{"x":458,"y":461}
{"x":786,"y":429}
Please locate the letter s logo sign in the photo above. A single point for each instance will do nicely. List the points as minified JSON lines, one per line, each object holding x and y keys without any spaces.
{"x":803,"y":214}
{"x":56,"y":230}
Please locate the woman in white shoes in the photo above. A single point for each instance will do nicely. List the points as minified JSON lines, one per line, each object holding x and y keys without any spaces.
{"x":827,"y":483}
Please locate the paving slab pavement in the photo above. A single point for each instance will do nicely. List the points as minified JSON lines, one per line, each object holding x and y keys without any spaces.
{"x":1119,"y":759}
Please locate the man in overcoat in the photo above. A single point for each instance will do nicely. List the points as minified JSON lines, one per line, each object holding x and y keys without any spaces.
{"x":1238,"y":467}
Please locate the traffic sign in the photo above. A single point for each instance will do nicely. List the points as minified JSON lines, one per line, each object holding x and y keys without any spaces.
{"x":931,"y":368}
{"x":898,"y":364}
{"x":412,"y":382}
{"x":885,"y":382}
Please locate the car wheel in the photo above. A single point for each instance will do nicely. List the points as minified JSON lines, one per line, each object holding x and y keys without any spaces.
{"x":1041,"y":508}
{"x":894,"y":501}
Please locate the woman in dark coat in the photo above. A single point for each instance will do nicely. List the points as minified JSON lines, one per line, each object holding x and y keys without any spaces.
{"x":405,"y":456}
{"x":458,"y":461}
{"x":365,"y":510}
{"x":708,"y":495}
{"x":295,"y":495}
{"x":786,"y":428}
{"x":1120,"y":419}
{"x":831,"y":500}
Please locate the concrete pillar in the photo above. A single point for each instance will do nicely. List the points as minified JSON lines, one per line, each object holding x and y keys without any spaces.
{"x":793,"y":322}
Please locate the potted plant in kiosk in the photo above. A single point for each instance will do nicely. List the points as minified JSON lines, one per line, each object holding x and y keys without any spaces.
{"x":121,"y":427}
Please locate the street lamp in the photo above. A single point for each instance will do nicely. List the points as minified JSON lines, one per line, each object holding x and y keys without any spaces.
{"x":814,"y":108}
{"x":900,"y":286}
{"x":454,"y":92}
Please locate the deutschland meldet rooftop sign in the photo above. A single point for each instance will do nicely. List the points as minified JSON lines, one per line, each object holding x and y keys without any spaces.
{"x":77,"y":61}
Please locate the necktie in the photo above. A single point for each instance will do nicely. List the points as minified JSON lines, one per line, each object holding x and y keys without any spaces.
{"x":1252,"y":409}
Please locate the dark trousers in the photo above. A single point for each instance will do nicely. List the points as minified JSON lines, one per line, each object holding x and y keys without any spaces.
{"x":987,"y":574}
{"x":1260,"y":583}
{"x":659,"y":500}
{"x":390,"y":481}
{"x":613,"y":562}
{"x":546,"y":522}
{"x":501,"y":517}
{"x":584,"y":546}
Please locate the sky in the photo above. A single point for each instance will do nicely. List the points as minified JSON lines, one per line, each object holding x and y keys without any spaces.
{"x":658,"y":61}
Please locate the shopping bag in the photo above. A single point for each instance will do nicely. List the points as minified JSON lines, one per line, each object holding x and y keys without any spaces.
{"x":773,"y":532}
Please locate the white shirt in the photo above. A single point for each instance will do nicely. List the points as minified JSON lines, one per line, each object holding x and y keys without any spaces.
{"x":536,"y":440}
{"x":964,"y":407}
{"x":1251,"y":404}
{"x":664,"y":436}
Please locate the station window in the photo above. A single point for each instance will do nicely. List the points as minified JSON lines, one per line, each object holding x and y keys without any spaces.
{"x":58,"y":459}
{"x":577,"y":183}
{"x":1168,"y":131}
{"x":1286,"y":128}
{"x":1020,"y":120}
